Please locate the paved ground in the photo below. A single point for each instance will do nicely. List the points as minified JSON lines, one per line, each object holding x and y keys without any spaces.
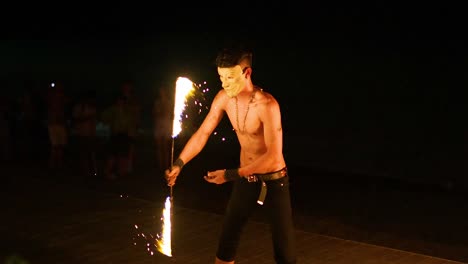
{"x":59,"y":218}
{"x":55,"y":222}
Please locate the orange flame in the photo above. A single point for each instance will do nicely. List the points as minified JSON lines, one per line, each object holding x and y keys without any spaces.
{"x":183,"y":88}
{"x":163,"y":242}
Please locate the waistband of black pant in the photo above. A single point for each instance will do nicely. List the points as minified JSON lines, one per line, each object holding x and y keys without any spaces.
{"x":268,"y":176}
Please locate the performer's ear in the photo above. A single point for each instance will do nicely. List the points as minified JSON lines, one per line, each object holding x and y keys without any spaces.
{"x":247,"y":71}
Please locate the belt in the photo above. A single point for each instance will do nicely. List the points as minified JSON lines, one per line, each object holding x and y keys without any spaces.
{"x":266,"y":177}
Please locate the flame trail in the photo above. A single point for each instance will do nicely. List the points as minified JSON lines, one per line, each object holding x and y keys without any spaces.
{"x":164,"y":243}
{"x":183,"y":88}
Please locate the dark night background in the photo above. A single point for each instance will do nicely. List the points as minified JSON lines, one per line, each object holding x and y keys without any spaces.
{"x":373,"y":88}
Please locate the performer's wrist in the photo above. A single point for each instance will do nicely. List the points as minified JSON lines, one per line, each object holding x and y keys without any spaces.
{"x":231,"y":174}
{"x":179,"y":162}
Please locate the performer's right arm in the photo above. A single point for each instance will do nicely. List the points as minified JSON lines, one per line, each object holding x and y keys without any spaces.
{"x":198,"y":140}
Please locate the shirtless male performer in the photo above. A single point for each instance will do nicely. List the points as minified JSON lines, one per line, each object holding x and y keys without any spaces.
{"x":262,"y":176}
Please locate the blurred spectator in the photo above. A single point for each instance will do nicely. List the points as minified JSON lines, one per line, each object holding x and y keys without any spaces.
{"x":56,"y":122}
{"x":27,"y":125}
{"x":162,"y":119}
{"x":121,"y":121}
{"x":5,"y":128}
{"x":134,"y":107}
{"x":84,"y":124}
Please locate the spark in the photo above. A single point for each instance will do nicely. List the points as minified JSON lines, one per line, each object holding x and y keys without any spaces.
{"x":198,"y":108}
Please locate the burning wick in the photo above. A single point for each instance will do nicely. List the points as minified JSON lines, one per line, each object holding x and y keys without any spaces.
{"x":163,"y":242}
{"x":183,"y":88}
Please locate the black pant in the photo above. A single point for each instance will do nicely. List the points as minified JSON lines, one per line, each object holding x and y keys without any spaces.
{"x":241,"y":204}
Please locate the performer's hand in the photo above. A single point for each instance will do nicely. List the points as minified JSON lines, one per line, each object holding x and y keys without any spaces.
{"x":216,"y":177}
{"x":171,"y":175}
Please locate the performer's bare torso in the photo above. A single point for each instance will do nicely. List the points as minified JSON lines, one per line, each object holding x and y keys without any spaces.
{"x":249,"y":129}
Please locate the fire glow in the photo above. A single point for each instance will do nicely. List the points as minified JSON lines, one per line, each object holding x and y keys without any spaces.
{"x":163,"y":243}
{"x":183,"y":88}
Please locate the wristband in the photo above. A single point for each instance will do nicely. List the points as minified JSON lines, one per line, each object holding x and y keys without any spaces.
{"x":231,"y":174}
{"x":180,"y":163}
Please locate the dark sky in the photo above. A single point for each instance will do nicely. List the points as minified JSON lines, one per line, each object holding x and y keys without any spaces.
{"x":358,"y":78}
{"x":355,"y":35}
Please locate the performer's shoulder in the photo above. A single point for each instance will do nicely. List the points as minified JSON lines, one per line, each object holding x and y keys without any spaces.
{"x":220,"y":98}
{"x":263,"y":96}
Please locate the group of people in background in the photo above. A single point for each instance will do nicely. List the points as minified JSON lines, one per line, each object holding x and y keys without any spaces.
{"x":99,"y":139}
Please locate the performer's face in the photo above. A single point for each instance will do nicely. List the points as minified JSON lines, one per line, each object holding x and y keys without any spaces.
{"x":232,"y":79}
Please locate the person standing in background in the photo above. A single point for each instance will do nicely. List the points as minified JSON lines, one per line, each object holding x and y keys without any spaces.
{"x":56,"y":124}
{"x":120,"y":120}
{"x":5,"y":128}
{"x":84,"y":122}
{"x":162,"y":131}
{"x":134,"y":107}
